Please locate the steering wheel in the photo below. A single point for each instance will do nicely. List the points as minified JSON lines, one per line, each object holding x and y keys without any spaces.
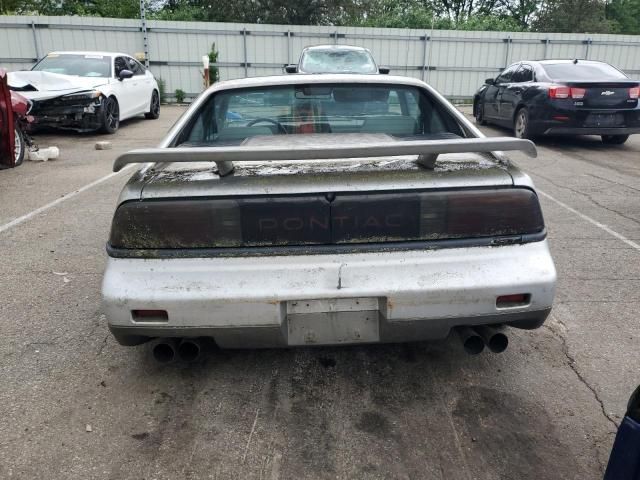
{"x":281,"y":128}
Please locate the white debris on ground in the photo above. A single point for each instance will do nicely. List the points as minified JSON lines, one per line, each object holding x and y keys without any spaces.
{"x":43,"y":154}
{"x":103,"y":145}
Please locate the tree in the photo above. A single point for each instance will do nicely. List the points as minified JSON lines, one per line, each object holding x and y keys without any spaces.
{"x":523,"y":12}
{"x":572,"y":16}
{"x":625,"y":16}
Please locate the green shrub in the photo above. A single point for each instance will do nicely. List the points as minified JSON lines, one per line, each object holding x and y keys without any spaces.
{"x":180,"y":95}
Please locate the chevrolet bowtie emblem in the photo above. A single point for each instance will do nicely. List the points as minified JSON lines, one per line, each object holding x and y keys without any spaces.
{"x":607,"y":92}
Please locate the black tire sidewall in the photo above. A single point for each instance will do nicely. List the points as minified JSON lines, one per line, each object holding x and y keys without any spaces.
{"x":479,"y":116}
{"x":614,"y":139}
{"x":151,"y":115}
{"x":105,"y":128}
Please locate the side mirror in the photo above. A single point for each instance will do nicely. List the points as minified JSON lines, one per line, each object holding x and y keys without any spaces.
{"x":291,"y":68}
{"x":490,"y":81}
{"x":124,"y":74}
{"x":384,"y":70}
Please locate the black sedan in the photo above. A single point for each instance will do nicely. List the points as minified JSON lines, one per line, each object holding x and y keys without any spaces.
{"x":563,"y":97}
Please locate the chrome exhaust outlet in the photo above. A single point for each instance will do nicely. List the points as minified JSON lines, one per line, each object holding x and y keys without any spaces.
{"x":496,"y":340}
{"x":164,"y":350}
{"x":189,"y":349}
{"x":471,"y":341}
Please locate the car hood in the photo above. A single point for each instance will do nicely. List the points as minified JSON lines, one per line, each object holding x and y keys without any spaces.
{"x":38,"y":85}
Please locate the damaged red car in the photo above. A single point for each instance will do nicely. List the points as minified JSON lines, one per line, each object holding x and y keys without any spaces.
{"x":14,"y":121}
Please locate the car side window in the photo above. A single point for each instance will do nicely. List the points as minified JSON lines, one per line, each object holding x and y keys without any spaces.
{"x":505,"y":77}
{"x":120,"y":64}
{"x":524,"y":74}
{"x":135,"y":66}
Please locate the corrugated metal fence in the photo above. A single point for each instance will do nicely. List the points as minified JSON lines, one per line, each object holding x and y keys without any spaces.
{"x":454,"y":62}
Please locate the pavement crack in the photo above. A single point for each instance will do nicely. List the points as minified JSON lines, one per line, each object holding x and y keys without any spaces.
{"x":574,"y":366}
{"x":590,"y":198}
{"x":102,"y":345}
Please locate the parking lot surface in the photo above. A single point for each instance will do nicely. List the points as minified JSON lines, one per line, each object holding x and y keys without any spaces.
{"x":75,"y":404}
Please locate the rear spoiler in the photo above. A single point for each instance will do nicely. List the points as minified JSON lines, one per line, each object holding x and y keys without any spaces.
{"x":427,"y":151}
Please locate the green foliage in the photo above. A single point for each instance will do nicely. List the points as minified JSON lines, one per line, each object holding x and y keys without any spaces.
{"x":573,"y":16}
{"x":214,"y":73}
{"x":180,"y":95}
{"x":624,"y":15}
{"x":578,"y":16}
{"x":162,"y":88}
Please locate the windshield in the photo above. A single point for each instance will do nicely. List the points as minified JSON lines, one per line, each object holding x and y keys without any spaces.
{"x":230,"y":117}
{"x":337,"y":61}
{"x":78,"y":65}
{"x":583,"y":71}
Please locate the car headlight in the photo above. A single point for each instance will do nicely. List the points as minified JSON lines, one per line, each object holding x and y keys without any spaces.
{"x":83,"y":96}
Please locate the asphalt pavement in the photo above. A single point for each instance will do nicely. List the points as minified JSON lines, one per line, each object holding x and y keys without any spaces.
{"x":76,"y":405}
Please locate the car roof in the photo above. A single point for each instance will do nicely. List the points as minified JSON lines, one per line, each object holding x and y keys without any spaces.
{"x":353,"y":78}
{"x":565,"y":61}
{"x":336,"y":47}
{"x":87,"y":52}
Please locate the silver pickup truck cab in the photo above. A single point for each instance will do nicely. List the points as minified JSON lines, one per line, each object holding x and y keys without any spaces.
{"x":324,"y":210}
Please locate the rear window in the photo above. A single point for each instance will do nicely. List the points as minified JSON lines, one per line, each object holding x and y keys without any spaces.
{"x":232,"y":116}
{"x":337,"y":61}
{"x":583,"y":71}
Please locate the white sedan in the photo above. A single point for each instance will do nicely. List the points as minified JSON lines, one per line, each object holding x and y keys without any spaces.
{"x":86,"y":91}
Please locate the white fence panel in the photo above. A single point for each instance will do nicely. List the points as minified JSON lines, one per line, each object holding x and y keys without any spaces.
{"x":454,"y":62}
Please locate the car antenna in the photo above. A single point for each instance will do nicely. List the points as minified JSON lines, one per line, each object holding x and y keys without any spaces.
{"x":575,"y":60}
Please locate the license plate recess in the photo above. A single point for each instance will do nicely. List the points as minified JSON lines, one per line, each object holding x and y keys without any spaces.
{"x":333,"y":321}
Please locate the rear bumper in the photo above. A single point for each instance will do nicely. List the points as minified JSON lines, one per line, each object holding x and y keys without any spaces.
{"x":591,"y":131}
{"x":575,"y":121}
{"x":251,"y":302}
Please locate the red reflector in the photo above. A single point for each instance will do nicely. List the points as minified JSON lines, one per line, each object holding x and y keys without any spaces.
{"x":515,"y":300}
{"x":557,"y":91}
{"x":562,"y":118}
{"x":149,"y":315}
{"x":634,"y":92}
{"x":578,"y":93}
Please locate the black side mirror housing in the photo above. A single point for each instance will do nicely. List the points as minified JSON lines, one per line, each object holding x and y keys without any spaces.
{"x":124,"y":74}
{"x":384,"y":70}
{"x":490,"y":81}
{"x":291,"y":68}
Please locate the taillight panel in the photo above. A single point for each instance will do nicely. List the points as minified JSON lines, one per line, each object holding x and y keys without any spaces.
{"x":634,"y":93}
{"x":326,"y":219}
{"x":561,"y":92}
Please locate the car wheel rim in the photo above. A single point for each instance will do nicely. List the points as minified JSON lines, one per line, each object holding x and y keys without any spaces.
{"x":521,"y":125}
{"x":112,"y":114}
{"x":17,"y":145}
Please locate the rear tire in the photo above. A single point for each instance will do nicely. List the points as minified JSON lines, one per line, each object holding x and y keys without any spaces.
{"x":614,"y":139}
{"x":154,"y":107}
{"x":20,"y":146}
{"x":479,"y":114}
{"x":521,"y":125}
{"x":110,"y":116}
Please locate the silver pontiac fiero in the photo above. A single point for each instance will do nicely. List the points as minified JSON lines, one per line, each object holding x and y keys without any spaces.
{"x":325,"y":210}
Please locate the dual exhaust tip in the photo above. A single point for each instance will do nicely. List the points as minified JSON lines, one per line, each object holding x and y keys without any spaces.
{"x":474,"y":339}
{"x":167,"y":350}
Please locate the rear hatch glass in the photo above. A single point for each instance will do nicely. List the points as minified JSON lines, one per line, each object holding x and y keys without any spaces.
{"x":602,"y":86}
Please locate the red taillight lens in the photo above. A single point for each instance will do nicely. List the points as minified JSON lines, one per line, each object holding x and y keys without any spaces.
{"x":558,"y":91}
{"x":578,"y":93}
{"x":634,"y":92}
{"x":314,"y":220}
{"x":515,"y":300}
